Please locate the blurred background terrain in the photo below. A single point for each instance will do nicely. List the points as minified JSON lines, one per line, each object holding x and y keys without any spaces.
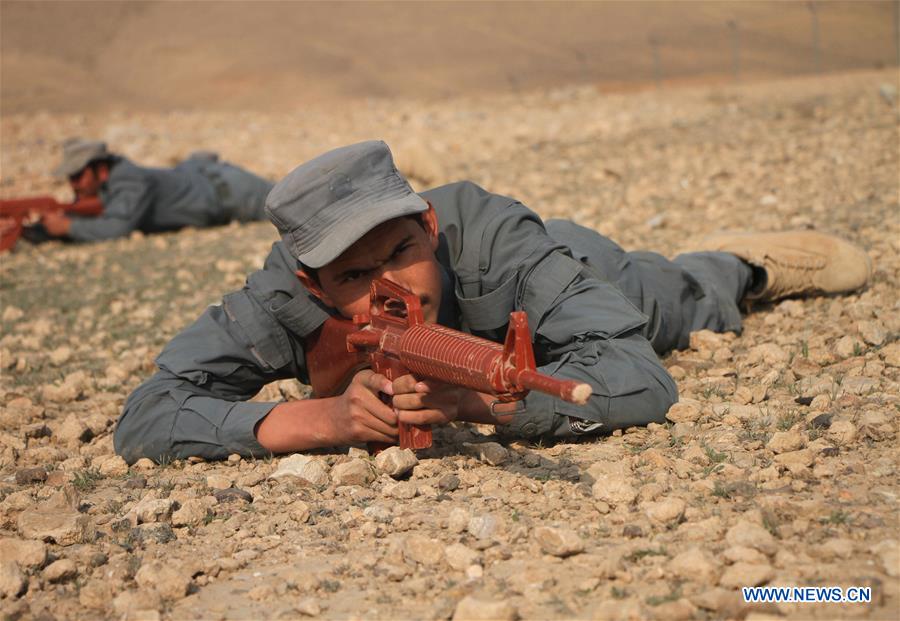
{"x":78,"y":56}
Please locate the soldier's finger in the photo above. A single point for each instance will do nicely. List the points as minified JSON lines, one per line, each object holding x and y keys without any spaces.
{"x":404,"y":384}
{"x":380,"y":410}
{"x":424,"y":417}
{"x":410,"y":401}
{"x":376,"y":382}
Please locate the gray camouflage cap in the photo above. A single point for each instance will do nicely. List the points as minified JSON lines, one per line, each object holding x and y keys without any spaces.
{"x":324,"y":206}
{"x":78,"y":153}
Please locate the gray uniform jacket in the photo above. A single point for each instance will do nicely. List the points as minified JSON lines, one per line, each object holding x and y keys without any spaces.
{"x":194,"y":193}
{"x":497,"y":257}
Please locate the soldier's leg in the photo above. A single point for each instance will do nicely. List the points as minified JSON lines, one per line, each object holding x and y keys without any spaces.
{"x":692,"y":292}
{"x":248,"y":192}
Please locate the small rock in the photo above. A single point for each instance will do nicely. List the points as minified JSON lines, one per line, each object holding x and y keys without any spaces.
{"x":632,"y":530}
{"x":751,"y":535}
{"x":137,"y":482}
{"x":144,"y":465}
{"x":666,"y":511}
{"x":169,"y":582}
{"x":73,"y":431}
{"x":743,"y":554}
{"x":458,"y":520}
{"x":192,"y":512}
{"x":219,"y":481}
{"x":60,"y":570}
{"x":300,"y":512}
{"x":873,"y":332}
{"x":848,"y":346}
{"x":745,"y":574}
{"x":423,"y":550}
{"x":471,"y":608}
{"x":837,"y":548}
{"x":149,"y":510}
{"x":30,"y":476}
{"x":448,"y":483}
{"x":841,"y":432}
{"x":396,"y":462}
{"x":695,"y":564}
{"x":12,"y":313}
{"x":404,"y":490}
{"x":233,"y":494}
{"x":561,"y":542}
{"x":28,"y":554}
{"x":888,"y":552}
{"x":685,"y":411}
{"x":785,"y":441}
{"x":12,"y":581}
{"x":309,"y":469}
{"x":60,"y":355}
{"x":459,"y":556}
{"x":353,"y":472}
{"x":616,"y":490}
{"x":113,"y":466}
{"x":96,"y":594}
{"x":488,"y":452}
{"x":482,"y":526}
{"x":679,"y":610}
{"x":309,"y":607}
{"x":796,"y":462}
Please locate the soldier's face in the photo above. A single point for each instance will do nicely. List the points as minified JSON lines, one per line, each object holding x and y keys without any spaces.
{"x":86,"y":184}
{"x":401,"y":250}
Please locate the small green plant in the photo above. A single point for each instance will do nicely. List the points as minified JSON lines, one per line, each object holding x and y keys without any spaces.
{"x":656,"y":600}
{"x":713,"y":455}
{"x":618,"y":593}
{"x":836,"y":517}
{"x":86,"y":480}
{"x":787,"y":420}
{"x":857,"y":349}
{"x":644,"y":552}
{"x":804,"y":348}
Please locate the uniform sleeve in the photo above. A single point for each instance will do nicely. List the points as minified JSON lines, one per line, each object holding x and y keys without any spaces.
{"x":129,"y":201}
{"x":196,"y":403}
{"x":583,"y":328}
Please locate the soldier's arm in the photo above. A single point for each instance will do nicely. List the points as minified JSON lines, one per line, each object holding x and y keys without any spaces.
{"x":583,"y":329}
{"x":130,"y":200}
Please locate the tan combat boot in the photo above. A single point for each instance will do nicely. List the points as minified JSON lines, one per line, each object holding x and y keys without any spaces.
{"x":797,"y":262}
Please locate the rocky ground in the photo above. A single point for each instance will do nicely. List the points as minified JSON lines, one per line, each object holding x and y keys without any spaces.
{"x":779,"y":465}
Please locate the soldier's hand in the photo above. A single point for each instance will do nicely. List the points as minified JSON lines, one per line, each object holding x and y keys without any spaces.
{"x":426,"y":402}
{"x":361,"y":416}
{"x":56,"y":223}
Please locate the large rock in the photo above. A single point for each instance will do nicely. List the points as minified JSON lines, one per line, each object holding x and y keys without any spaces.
{"x":308,"y":469}
{"x":353,"y":472}
{"x":61,"y":570}
{"x":396,"y":462}
{"x":113,"y":466}
{"x":12,"y":580}
{"x":666,"y":511}
{"x":169,"y":582}
{"x":841,"y":432}
{"x":193,"y":511}
{"x":685,"y":411}
{"x":64,"y":527}
{"x":746,"y":574}
{"x":560,"y":542}
{"x":460,"y":557}
{"x":786,"y":441}
{"x":697,"y":565}
{"x":472,"y":608}
{"x":28,"y":554}
{"x":752,"y":535}
{"x":423,"y":550}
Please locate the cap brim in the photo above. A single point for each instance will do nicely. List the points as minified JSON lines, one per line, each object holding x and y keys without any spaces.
{"x":67,"y":169}
{"x":352,"y":225}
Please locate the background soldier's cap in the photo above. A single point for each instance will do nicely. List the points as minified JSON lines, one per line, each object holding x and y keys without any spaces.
{"x":324,"y":206}
{"x":78,"y":153}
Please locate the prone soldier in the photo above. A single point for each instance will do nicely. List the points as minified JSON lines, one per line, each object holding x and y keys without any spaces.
{"x":597,"y":315}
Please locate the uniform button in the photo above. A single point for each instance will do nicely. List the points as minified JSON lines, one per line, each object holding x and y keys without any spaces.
{"x":529,"y":428}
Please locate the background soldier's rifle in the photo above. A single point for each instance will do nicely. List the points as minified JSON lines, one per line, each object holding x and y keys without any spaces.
{"x":15,"y":213}
{"x":395,"y":340}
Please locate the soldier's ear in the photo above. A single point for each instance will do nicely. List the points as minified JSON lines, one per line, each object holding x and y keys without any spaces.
{"x":430,"y":222}
{"x":314,"y":287}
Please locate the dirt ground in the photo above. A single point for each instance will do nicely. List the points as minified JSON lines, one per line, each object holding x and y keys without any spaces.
{"x":779,"y":466}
